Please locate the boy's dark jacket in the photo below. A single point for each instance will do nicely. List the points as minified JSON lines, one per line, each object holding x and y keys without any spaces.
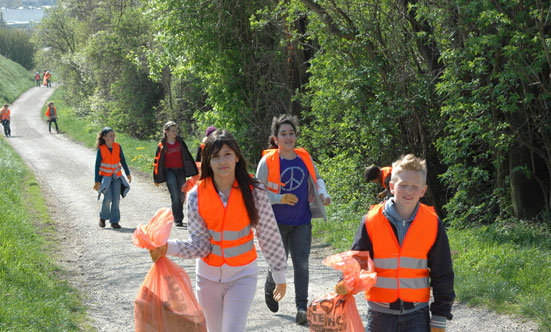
{"x":439,"y":261}
{"x":190,"y":169}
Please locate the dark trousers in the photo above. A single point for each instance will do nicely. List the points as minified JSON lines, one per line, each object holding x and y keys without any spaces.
{"x":175,"y":178}
{"x":7,"y":129}
{"x":297,"y":240}
{"x":50,"y":125}
{"x":417,"y":321}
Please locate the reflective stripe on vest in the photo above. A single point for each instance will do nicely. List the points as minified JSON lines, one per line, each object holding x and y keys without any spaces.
{"x":402,"y":271}
{"x":110,"y":162}
{"x":231,"y":234}
{"x":385,"y":171}
{"x":274,"y":175}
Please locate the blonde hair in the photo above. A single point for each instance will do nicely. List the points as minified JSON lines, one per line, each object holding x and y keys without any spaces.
{"x":409,"y":162}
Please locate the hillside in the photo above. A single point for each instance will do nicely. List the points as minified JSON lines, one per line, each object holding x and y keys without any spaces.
{"x":15,"y":80}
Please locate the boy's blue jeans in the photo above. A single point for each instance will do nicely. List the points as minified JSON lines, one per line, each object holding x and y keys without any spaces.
{"x":417,"y":321}
{"x":297,"y":240}
{"x":111,"y":199}
{"x":175,"y":178}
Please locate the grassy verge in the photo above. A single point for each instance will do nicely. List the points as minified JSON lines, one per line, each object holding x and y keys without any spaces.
{"x":15,"y":80}
{"x":34,"y":298}
{"x":505,"y":266}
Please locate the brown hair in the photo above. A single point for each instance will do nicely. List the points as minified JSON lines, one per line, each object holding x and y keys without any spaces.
{"x":277,"y":122}
{"x":100,"y":140}
{"x":213,"y":144}
{"x":167,"y":127}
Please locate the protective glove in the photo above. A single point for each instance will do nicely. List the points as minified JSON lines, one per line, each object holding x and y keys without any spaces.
{"x":158,"y":252}
{"x":96,"y":186}
{"x":434,"y":329}
{"x":279,"y":292}
{"x":340,"y":288}
{"x":289,"y":199}
{"x":129,"y":177}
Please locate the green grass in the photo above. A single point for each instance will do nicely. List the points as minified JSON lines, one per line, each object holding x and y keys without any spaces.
{"x":14,"y":80}
{"x":34,"y":296}
{"x":505,"y":266}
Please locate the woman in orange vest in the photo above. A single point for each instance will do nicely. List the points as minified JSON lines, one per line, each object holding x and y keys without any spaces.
{"x":223,"y":208}
{"x":5,"y":115}
{"x":297,"y":195}
{"x":411,"y":253}
{"x":51,"y":114}
{"x":380,"y":176}
{"x":108,"y":177}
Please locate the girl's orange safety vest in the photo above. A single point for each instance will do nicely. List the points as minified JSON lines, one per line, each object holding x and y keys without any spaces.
{"x":110,"y":162}
{"x":230,"y":229}
{"x":385,"y":171}
{"x":402,"y":272}
{"x":274,"y":176}
{"x":48,"y":112}
{"x":5,"y":113}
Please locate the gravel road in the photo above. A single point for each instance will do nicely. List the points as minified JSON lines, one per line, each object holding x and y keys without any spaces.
{"x":109,"y":269}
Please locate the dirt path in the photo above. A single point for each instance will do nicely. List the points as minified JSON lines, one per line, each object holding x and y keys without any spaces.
{"x":108,"y":268}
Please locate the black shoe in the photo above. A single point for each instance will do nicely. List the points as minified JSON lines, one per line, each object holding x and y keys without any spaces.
{"x":179,"y":224}
{"x":101,"y":223}
{"x":270,"y":302}
{"x":115,"y":225}
{"x":301,"y":317}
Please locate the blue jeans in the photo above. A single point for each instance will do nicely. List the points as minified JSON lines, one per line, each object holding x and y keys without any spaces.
{"x":297,"y":240}
{"x":111,"y":199}
{"x":50,"y":124}
{"x":175,"y":178}
{"x":417,"y":321}
{"x":7,"y":129}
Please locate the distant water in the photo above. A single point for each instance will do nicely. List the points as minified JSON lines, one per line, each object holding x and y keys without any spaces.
{"x":22,"y":15}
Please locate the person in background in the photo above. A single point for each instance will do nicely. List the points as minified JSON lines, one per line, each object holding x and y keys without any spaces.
{"x":108,"y":177}
{"x":37,"y":79}
{"x":46,"y":79}
{"x":410,"y":249}
{"x":380,"y":176}
{"x":223,"y":208}
{"x":5,"y":116}
{"x":297,"y":194}
{"x":51,"y":114}
{"x":173,"y":163}
{"x":209,"y":130}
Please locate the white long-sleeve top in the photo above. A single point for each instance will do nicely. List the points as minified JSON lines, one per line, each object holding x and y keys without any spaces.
{"x":198,"y":245}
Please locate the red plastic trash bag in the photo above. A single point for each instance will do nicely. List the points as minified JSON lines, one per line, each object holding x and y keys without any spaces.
{"x":336,"y":313}
{"x":186,"y":187}
{"x":165,"y":301}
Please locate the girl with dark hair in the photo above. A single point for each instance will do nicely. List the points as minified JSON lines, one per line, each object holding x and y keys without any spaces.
{"x":173,"y":163}
{"x":108,"y":177}
{"x":223,"y":208}
{"x":297,"y":195}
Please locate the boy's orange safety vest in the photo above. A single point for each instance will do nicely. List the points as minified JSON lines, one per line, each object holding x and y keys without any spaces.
{"x":385,"y":171}
{"x":48,"y":112}
{"x":110,"y":162}
{"x":402,"y":272}
{"x":230,"y":229}
{"x":274,"y":176}
{"x":5,"y":113}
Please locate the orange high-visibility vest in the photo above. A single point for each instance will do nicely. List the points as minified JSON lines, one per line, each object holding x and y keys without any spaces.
{"x":157,"y":157}
{"x":402,"y":272}
{"x":274,"y":176}
{"x":230,"y":229}
{"x":110,"y":162}
{"x":5,"y":113}
{"x":48,"y":112}
{"x":385,"y":171}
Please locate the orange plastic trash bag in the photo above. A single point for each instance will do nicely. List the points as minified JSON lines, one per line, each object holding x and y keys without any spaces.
{"x":165,"y":301}
{"x":336,"y":313}
{"x":186,"y":187}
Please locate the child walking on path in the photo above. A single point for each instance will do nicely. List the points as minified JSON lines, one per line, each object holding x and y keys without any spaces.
{"x":222,"y":210}
{"x":5,"y":115}
{"x":173,"y":163}
{"x":380,"y":176}
{"x":297,"y":195}
{"x":108,"y":177}
{"x":411,"y":252}
{"x":51,"y":114}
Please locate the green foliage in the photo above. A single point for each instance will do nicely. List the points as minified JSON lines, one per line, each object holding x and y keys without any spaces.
{"x":15,"y":80}
{"x":15,"y":45}
{"x":34,"y":299}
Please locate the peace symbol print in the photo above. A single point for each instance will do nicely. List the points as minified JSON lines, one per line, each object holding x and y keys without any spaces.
{"x":294,"y":176}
